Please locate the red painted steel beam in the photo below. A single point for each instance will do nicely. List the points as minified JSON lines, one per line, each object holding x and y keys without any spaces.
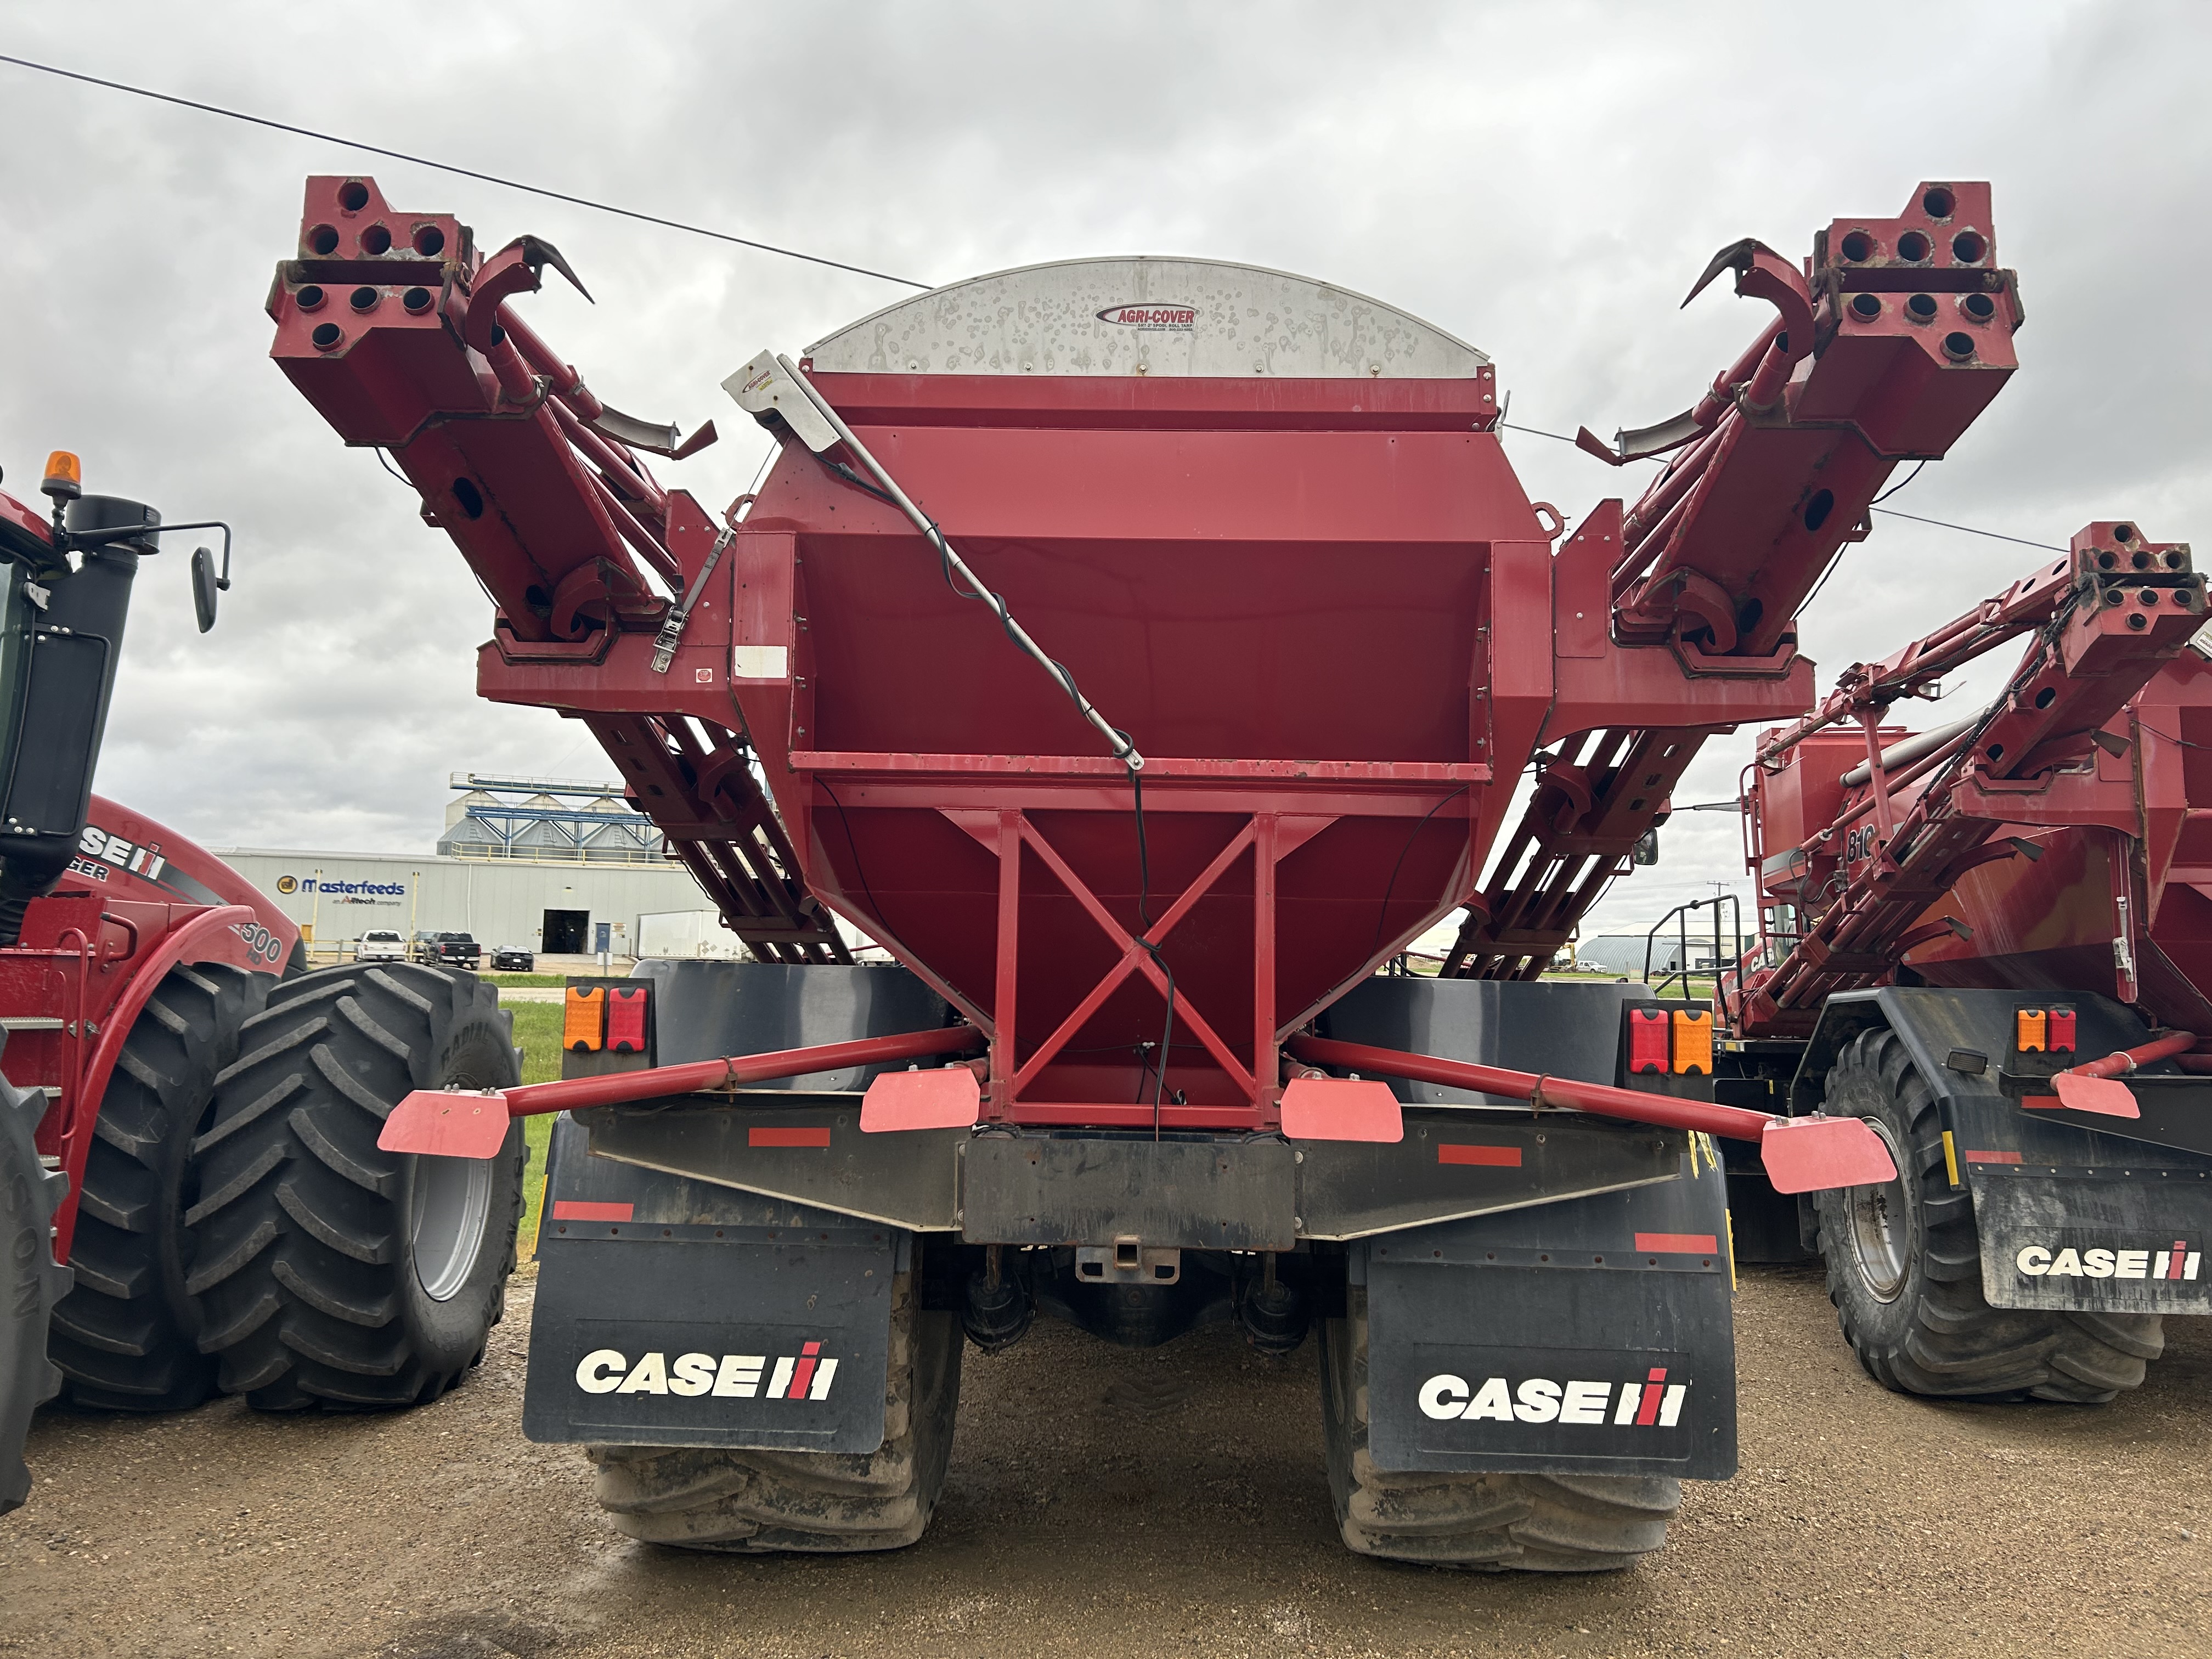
{"x":1801,"y":1154}
{"x":1732,"y":1122}
{"x":455,"y":1123}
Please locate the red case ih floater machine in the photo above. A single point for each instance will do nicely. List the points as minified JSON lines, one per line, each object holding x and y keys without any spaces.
{"x":1144,"y":650}
{"x":1969,"y":935}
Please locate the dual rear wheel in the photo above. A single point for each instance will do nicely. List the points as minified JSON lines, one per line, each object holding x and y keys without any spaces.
{"x":240,"y":1228}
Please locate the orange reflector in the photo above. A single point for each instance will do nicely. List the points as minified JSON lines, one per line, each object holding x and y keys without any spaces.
{"x":1693,"y":1041}
{"x":2030,"y":1031}
{"x":584,"y":1023}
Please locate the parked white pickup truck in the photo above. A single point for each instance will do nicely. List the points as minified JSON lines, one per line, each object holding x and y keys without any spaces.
{"x":381,"y":945}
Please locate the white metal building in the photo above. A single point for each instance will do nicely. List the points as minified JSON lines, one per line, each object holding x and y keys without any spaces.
{"x":554,"y":907}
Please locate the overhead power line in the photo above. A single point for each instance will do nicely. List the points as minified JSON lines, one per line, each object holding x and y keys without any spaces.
{"x":1964,"y":529}
{"x":465,"y":173}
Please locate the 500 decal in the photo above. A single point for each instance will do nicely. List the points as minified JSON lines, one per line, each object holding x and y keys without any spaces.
{"x":260,"y":944}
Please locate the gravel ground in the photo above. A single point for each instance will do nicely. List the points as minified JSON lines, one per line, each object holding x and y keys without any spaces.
{"x":1105,"y":1502}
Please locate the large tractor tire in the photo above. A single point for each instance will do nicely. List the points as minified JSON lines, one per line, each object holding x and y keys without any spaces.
{"x":1481,"y":1522}
{"x":30,"y":1282}
{"x":762,"y":1502}
{"x":1905,"y":1267}
{"x":126,"y":1338}
{"x":332,"y":1275}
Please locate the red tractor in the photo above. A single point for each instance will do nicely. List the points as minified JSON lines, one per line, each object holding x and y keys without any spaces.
{"x":159,"y":1024}
{"x":1144,"y":651}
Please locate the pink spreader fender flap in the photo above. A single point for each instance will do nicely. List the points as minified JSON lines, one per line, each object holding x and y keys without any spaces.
{"x":1341,"y":1108}
{"x":447,"y":1123}
{"x":946,"y":1098}
{"x":2106,"y":1096}
{"x":1813,"y":1154}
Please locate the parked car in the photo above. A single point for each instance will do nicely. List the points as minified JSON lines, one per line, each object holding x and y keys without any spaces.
{"x":381,"y":945}
{"x":449,"y":950}
{"x":514,"y":959}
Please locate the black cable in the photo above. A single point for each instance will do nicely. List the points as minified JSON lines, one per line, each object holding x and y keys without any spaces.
{"x":2182,"y":742}
{"x":1145,"y":914}
{"x":858,"y":868}
{"x":1893,"y":489}
{"x":1383,"y":915}
{"x":1967,"y":529}
{"x":448,"y":167}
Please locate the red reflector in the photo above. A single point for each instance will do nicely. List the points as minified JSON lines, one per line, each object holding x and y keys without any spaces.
{"x":763,"y":1136}
{"x":1991,"y":1157}
{"x":947,"y":1098}
{"x":1677,"y":1244}
{"x":1648,"y":1044}
{"x":626,"y":1020}
{"x":446,"y":1123}
{"x":2107,"y":1097}
{"x":577,"y":1209}
{"x":1506,"y":1158}
{"x":1820,"y":1154}
{"x":1341,"y":1108}
{"x":2060,"y":1029}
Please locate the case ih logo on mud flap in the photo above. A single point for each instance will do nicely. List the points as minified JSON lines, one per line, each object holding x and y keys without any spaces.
{"x":1179,"y":318}
{"x":1445,"y":1406}
{"x":2175,"y":1262}
{"x":804,"y":1375}
{"x":1654,"y":1402}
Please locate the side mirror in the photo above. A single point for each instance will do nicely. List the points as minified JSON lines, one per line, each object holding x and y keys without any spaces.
{"x":1646,"y":850}
{"x":205,"y":586}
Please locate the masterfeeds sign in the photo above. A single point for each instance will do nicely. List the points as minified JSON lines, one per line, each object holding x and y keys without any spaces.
{"x":345,"y":892}
{"x":2179,"y":1261}
{"x":804,"y":1375}
{"x":1654,"y":1402}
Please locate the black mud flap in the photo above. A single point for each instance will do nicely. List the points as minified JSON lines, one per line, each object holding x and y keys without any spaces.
{"x":2088,"y":1215}
{"x":671,"y":1312}
{"x":1590,"y":1337}
{"x":2095,"y":1241}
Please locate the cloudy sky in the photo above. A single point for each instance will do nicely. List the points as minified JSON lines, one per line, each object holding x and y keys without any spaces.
{"x":1543,"y":180}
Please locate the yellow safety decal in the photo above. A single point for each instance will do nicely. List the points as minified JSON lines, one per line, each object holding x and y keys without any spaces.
{"x":1728,"y":1217}
{"x":1950,"y":1157}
